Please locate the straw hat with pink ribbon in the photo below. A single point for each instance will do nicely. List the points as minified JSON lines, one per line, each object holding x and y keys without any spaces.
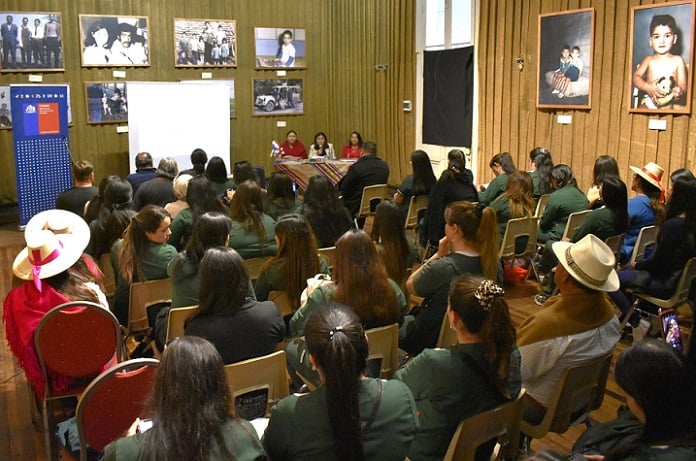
{"x":652,"y":173}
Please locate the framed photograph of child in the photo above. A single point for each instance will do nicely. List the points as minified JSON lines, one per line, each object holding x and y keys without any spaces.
{"x":107,"y":102}
{"x":662,"y":44}
{"x":228,"y":83}
{"x":114,"y":41}
{"x":283,"y":47}
{"x":205,"y":43}
{"x":31,"y":41}
{"x":566,"y":47}
{"x":278,"y":97}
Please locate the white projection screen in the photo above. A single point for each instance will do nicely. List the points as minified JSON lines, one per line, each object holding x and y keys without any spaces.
{"x":171,"y":119}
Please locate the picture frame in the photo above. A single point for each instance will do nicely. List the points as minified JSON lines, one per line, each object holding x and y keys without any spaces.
{"x":106,"y":102}
{"x":37,"y":43}
{"x":278,"y":97}
{"x":280,"y":47}
{"x":196,"y":40}
{"x":661,"y":85}
{"x":6,"y":106}
{"x":228,"y":82}
{"x":566,"y":50}
{"x":114,"y":41}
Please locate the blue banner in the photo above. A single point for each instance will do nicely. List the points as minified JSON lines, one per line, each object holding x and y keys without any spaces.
{"x":42,"y":154}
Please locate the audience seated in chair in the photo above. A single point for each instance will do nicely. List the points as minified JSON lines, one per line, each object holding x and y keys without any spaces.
{"x":398,"y":253}
{"x":367,"y":171}
{"x":113,"y":218}
{"x":327,"y":215}
{"x":253,"y":231}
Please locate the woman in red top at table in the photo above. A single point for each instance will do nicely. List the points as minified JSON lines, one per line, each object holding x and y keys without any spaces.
{"x":354,"y":147}
{"x":292,"y":148}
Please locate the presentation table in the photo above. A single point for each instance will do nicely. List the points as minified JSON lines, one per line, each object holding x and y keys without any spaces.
{"x":301,"y":170}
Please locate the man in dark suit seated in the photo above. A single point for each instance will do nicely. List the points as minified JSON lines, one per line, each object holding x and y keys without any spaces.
{"x":367,"y":171}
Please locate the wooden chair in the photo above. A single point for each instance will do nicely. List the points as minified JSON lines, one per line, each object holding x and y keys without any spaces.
{"x":78,"y":340}
{"x":109,"y":276}
{"x":110,"y":404}
{"x":646,"y":237}
{"x":375,"y":193}
{"x":416,"y":204}
{"x":501,"y":423}
{"x":383,"y":343}
{"x":329,"y":253}
{"x":541,"y":205}
{"x":575,"y":220}
{"x":447,"y":336}
{"x":579,"y":392}
{"x":253,"y":266}
{"x":282,"y":301}
{"x":176,"y":318}
{"x":516,"y":229}
{"x":267,"y":372}
{"x":143,"y":295}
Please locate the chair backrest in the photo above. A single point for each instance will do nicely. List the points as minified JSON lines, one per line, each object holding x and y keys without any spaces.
{"x":330,"y":254}
{"x":614,"y":242}
{"x":377,"y":192}
{"x":541,"y":205}
{"x":575,"y":220}
{"x":416,"y":204}
{"x":176,"y":318}
{"x":109,"y":276}
{"x":282,"y":301}
{"x":501,"y":422}
{"x":383,"y":343}
{"x":76,"y":339}
{"x":519,"y":228}
{"x":681,"y":293}
{"x":579,"y":391}
{"x":646,"y":237}
{"x":447,"y":335}
{"x":142,"y":295}
{"x":267,"y":372}
{"x":110,"y":404}
{"x":253,"y":266}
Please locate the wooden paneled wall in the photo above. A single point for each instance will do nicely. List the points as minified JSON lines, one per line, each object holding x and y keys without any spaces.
{"x":343,"y":89}
{"x":510,"y":121}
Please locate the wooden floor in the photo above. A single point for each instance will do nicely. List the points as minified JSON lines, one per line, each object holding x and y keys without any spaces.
{"x":20,"y":440}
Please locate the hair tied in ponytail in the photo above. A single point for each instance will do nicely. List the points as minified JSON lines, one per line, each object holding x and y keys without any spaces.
{"x":486,"y":293}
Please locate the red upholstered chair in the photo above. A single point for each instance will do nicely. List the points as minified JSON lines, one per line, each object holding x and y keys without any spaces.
{"x":110,"y":404}
{"x":78,"y":340}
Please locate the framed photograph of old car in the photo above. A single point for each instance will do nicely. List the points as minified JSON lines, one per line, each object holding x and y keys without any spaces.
{"x":280,"y":47}
{"x":564,"y":78}
{"x":662,"y":44}
{"x":205,"y":43}
{"x":107,"y":102}
{"x":114,"y":41}
{"x":31,"y":41}
{"x":278,"y":97}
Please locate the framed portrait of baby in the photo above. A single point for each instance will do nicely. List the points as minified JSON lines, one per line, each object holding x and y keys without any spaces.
{"x":566,"y":46}
{"x":32,"y":41}
{"x":280,"y":47}
{"x":107,"y":102}
{"x":114,"y":41}
{"x":205,"y":43}
{"x":662,"y":44}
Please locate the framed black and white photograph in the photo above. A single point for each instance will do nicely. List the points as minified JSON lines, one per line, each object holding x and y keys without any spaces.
{"x":31,"y":41}
{"x":564,"y":78}
{"x":278,"y":97}
{"x":5,"y":108}
{"x":229,"y":83}
{"x":107,"y":102}
{"x":205,"y":43}
{"x":114,"y":41}
{"x":280,"y":47}
{"x":662,"y":44}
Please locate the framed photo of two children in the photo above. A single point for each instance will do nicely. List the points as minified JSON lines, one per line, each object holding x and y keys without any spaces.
{"x":662,"y":44}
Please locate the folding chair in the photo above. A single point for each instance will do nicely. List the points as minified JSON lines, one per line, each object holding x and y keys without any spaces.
{"x":575,"y":221}
{"x":371,"y":194}
{"x":383,"y":343}
{"x":282,"y":301}
{"x":253,"y":266}
{"x":176,"y":318}
{"x":143,"y":295}
{"x":646,"y":237}
{"x":110,"y":404}
{"x":447,"y":336}
{"x":109,"y":276}
{"x":416,"y":204}
{"x":501,"y":423}
{"x":77,"y":340}
{"x":614,"y":242}
{"x":516,"y":230}
{"x":541,"y":205}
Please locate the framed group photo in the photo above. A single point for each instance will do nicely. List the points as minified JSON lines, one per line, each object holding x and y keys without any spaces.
{"x":114,"y":41}
{"x":229,"y":83}
{"x":31,"y":41}
{"x":280,"y":47}
{"x":107,"y":102}
{"x":205,"y":43}
{"x":278,"y":97}
{"x":662,"y":44}
{"x":566,"y":47}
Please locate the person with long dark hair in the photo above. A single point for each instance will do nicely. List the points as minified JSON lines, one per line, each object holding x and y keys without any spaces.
{"x":353,"y":148}
{"x":280,"y":198}
{"x":321,"y":147}
{"x":397,"y":252}
{"x":349,"y":417}
{"x":253,"y":231}
{"x":542,"y":164}
{"x":565,"y":199}
{"x":198,"y":160}
{"x":420,"y":182}
{"x":94,"y":206}
{"x":679,"y":173}
{"x":292,"y":148}
{"x":481,"y":371}
{"x":325,"y":212}
{"x":192,"y":412}
{"x":216,"y":172}
{"x":114,"y":217}
{"x":604,"y":166}
{"x":502,"y":165}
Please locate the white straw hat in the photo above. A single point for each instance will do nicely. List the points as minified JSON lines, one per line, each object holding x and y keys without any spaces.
{"x":589,"y":261}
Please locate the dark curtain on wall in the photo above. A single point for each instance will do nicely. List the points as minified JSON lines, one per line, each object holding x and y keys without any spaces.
{"x":448,"y":92}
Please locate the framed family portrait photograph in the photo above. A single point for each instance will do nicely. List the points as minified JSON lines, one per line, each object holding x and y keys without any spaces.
{"x":114,"y":41}
{"x":662,"y":44}
{"x":280,"y":47}
{"x":228,"y":83}
{"x":205,"y":43}
{"x":107,"y":102}
{"x":566,"y":46}
{"x":278,"y":97}
{"x":31,"y":41}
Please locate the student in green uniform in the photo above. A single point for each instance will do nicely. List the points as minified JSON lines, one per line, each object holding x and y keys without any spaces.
{"x":565,"y":199}
{"x":516,"y":201}
{"x":349,"y":417}
{"x":190,"y":408}
{"x":481,"y":371}
{"x":502,"y":165}
{"x":253,"y":231}
{"x":280,"y":198}
{"x":541,"y":165}
{"x":397,"y":252}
